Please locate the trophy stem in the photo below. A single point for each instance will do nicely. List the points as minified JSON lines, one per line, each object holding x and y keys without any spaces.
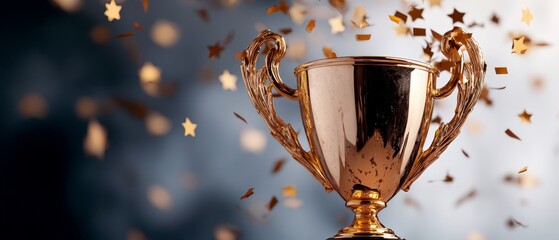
{"x":366,"y":204}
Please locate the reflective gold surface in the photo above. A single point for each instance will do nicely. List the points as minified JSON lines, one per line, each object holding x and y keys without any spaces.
{"x":366,"y":119}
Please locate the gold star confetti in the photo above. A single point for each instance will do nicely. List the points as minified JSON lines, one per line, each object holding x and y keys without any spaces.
{"x":215,"y":50}
{"x":289,"y":191}
{"x":523,"y":169}
{"x":328,"y":52}
{"x":32,"y":106}
{"x":248,"y":193}
{"x":525,"y":117}
{"x":253,"y":140}
{"x":362,"y":37}
{"x":272,"y":203}
{"x":518,"y":46}
{"x":157,"y":124}
{"x":113,"y":11}
{"x":228,"y":81}
{"x":165,"y":34}
{"x":282,"y":6}
{"x":415,"y":13}
{"x":95,"y":142}
{"x":160,"y":197}
{"x":310,"y":26}
{"x":189,"y":128}
{"x":527,"y":16}
{"x":457,"y":16}
{"x":501,"y":70}
{"x":336,"y":24}
{"x":511,"y":134}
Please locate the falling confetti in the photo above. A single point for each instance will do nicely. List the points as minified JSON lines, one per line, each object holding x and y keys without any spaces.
{"x":362,"y":37}
{"x":215,"y":50}
{"x":150,"y":78}
{"x":100,"y":34}
{"x":240,"y":117}
{"x":401,"y":30}
{"x":495,"y":19}
{"x":124,"y":35}
{"x":86,"y":108}
{"x":297,"y":49}
{"x":165,"y":34}
{"x":228,"y":81}
{"x":525,"y":117}
{"x":523,"y":169}
{"x":297,"y":13}
{"x":204,"y":15}
{"x":145,"y":5}
{"x":476,"y":236}
{"x":310,"y":26}
{"x":513,"y":223}
{"x":248,"y":193}
{"x":527,"y":16}
{"x":278,"y":164}
{"x":518,"y":46}
{"x":469,"y":196}
{"x":252,"y":140}
{"x":289,"y":191}
{"x":282,"y":6}
{"x":95,"y":142}
{"x":418,"y":32}
{"x":135,"y":234}
{"x":33,"y":106}
{"x":434,"y":3}
{"x":328,"y":52}
{"x":137,"y":26}
{"x":160,"y":197}
{"x":157,"y":124}
{"x":189,"y":128}
{"x":293,"y":203}
{"x":415,"y":13}
{"x":457,"y":16}
{"x":68,"y":5}
{"x":511,"y":134}
{"x":465,"y":153}
{"x":112,"y":11}
{"x":501,"y":70}
{"x":272,"y":203}
{"x":226,"y":232}
{"x":409,"y":201}
{"x":336,"y":25}
{"x":340,"y":5}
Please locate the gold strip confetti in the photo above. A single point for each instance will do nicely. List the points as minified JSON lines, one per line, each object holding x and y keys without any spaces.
{"x":248,"y":193}
{"x":272,"y":203}
{"x":240,"y":117}
{"x":278,"y":165}
{"x":328,"y":52}
{"x":123,"y":35}
{"x":470,"y":195}
{"x":523,"y":169}
{"x":465,"y":153}
{"x":395,"y":19}
{"x":511,"y":134}
{"x":501,"y":70}
{"x":310,"y":26}
{"x":419,"y":32}
{"x":401,"y":16}
{"x":145,"y":5}
{"x":362,"y":37}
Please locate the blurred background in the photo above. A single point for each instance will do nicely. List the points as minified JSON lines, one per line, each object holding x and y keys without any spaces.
{"x":93,"y":145}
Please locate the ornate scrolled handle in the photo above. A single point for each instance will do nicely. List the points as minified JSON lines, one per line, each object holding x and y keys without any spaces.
{"x":468,"y":77}
{"x":261,"y":96}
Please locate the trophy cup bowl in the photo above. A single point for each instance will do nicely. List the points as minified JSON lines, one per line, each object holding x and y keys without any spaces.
{"x":366,"y":119}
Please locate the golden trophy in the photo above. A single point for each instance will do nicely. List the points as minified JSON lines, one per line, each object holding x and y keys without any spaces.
{"x":366,"y":119}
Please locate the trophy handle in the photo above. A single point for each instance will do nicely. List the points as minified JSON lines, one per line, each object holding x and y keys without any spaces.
{"x":261,"y":96}
{"x":468,"y":77}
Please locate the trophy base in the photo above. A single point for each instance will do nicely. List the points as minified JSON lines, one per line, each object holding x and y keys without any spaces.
{"x":365,"y":203}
